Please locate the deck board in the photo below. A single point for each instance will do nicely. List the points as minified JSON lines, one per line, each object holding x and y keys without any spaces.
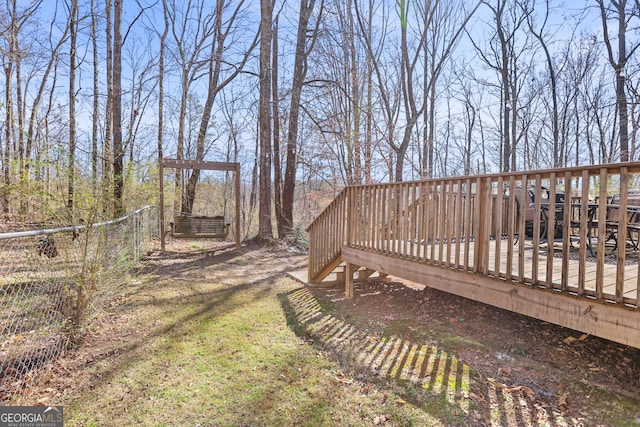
{"x":423,"y":253}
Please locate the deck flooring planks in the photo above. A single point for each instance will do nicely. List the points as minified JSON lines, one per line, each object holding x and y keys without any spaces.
{"x":412,"y":250}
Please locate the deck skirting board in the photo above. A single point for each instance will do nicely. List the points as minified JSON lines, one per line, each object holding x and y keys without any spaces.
{"x":613,"y":322}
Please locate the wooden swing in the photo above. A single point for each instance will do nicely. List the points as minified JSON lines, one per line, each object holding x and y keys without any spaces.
{"x":198,"y":226}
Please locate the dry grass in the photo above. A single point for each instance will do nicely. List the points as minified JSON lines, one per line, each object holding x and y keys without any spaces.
{"x":203,"y":340}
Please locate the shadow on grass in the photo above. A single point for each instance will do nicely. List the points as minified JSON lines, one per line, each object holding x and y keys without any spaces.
{"x":431,"y":377}
{"x":178,"y":263}
{"x":172,"y":326}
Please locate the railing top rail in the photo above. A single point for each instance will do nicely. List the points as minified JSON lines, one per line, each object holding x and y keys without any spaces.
{"x":31,"y":233}
{"x":574,"y":171}
{"x":613,"y":168}
{"x":335,"y":200}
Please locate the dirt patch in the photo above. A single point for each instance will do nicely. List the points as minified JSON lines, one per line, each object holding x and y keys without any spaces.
{"x":583,"y":377}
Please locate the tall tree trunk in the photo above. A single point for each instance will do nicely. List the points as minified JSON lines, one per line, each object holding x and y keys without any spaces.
{"x":8,"y":133}
{"x":618,"y":66}
{"x":621,"y":96}
{"x":265,"y":231}
{"x":163,"y":41}
{"x":277,"y":160}
{"x":506,"y":93}
{"x":552,"y":78}
{"x":71,"y":174}
{"x":118,"y":148}
{"x":299,"y":74}
{"x":368,"y":142}
{"x":107,"y":150}
{"x":96,"y":98}
{"x":355,"y":101}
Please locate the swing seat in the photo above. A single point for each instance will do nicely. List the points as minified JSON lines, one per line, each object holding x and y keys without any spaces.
{"x":199,"y":227}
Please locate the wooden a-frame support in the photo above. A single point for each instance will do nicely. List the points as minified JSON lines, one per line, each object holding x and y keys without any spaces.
{"x":192,"y":164}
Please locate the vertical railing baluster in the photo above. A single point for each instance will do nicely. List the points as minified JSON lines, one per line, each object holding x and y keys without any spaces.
{"x":622,"y":234}
{"x":511,"y":226}
{"x":458,"y":223}
{"x":584,"y":209}
{"x":497,"y":220}
{"x":551,"y":230}
{"x":468,"y":223}
{"x":602,"y":231}
{"x":524,"y":204}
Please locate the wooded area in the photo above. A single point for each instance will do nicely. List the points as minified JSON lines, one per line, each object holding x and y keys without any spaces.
{"x":308,"y":96}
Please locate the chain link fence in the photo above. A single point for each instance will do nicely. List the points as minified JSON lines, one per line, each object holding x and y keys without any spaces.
{"x":53,"y":282}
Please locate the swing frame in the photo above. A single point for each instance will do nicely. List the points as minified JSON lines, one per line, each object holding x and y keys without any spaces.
{"x":216,"y":226}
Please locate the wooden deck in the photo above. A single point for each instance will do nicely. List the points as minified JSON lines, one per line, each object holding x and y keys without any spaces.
{"x":452,"y":256}
{"x":442,"y":233}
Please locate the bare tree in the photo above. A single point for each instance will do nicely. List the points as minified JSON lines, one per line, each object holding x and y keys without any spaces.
{"x":118,"y":147}
{"x":385,"y":76}
{"x":73,"y":32}
{"x":616,"y":10}
{"x":275,"y":105}
{"x":444,"y":22}
{"x":107,"y":147}
{"x":12,"y":24}
{"x":540,"y":36}
{"x":191,"y":27}
{"x":265,"y":230}
{"x":96,"y":97}
{"x":305,"y":42}
{"x":504,"y":54}
{"x":465,"y":94}
{"x":161,"y":72}
{"x":221,"y":72}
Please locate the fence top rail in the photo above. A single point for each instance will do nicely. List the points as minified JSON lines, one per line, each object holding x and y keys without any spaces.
{"x":31,"y":233}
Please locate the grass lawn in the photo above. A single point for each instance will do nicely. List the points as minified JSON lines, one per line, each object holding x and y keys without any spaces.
{"x":213,"y":337}
{"x":202,"y":346}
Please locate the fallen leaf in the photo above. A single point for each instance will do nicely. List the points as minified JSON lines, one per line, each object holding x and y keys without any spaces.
{"x":529,"y":392}
{"x":379,"y":419}
{"x":496,"y":383}
{"x":476,"y":397}
{"x":569,"y":340}
{"x":583,"y":337}
{"x":343,"y":380}
{"x":504,"y":371}
{"x":505,"y":389}
{"x":400,"y":401}
{"x":562,"y":400}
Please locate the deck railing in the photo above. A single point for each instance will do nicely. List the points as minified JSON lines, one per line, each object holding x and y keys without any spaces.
{"x":327,"y":235}
{"x":488,"y":225}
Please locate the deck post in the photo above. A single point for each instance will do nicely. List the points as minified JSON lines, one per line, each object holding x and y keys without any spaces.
{"x":483,"y":189}
{"x":348,"y":281}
